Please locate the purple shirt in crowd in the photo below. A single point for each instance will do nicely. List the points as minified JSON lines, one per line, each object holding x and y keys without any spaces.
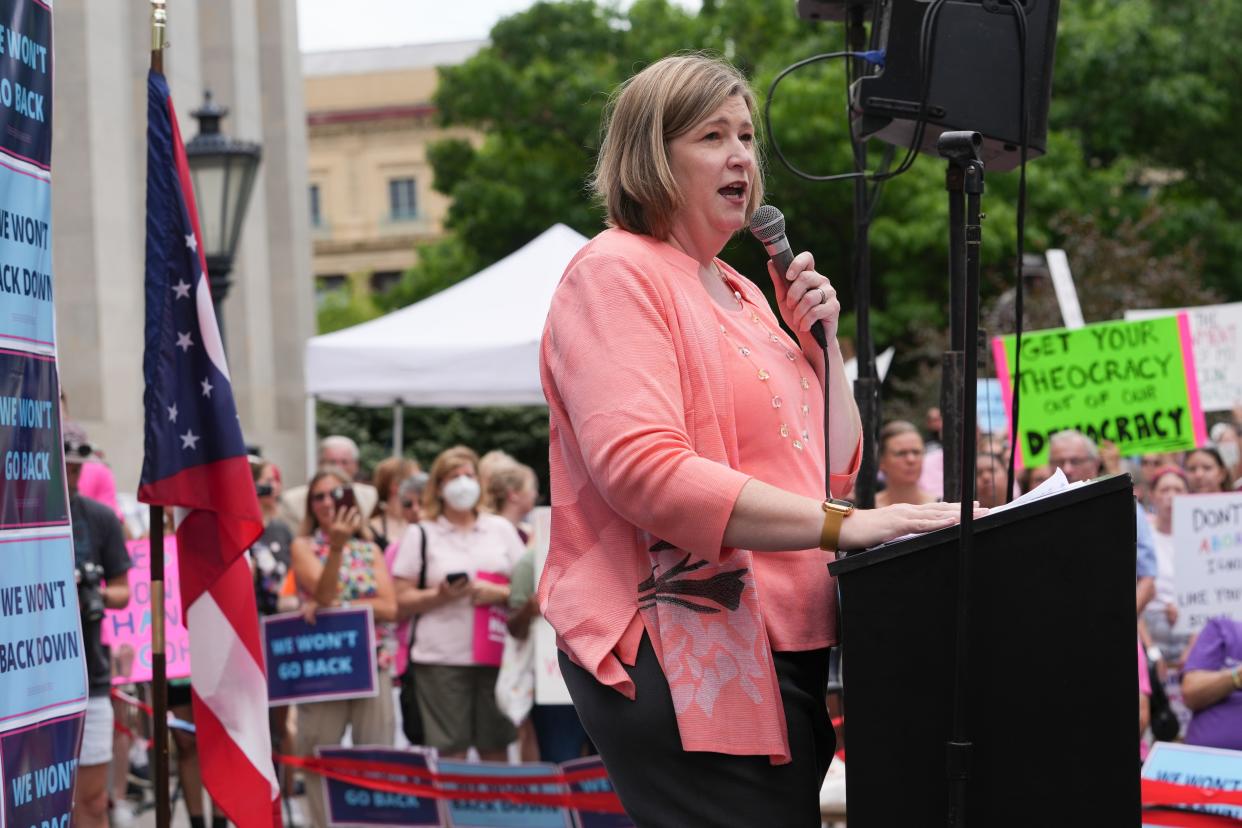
{"x":1218,"y":647}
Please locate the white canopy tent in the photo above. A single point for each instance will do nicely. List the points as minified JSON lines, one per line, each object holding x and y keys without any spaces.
{"x":476,"y":343}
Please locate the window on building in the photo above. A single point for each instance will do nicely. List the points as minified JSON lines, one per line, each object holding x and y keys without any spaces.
{"x":327,"y":285}
{"x":384,"y":280}
{"x":402,"y":199}
{"x":316,"y":215}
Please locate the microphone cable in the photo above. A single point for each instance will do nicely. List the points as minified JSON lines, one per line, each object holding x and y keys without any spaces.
{"x":1019,"y":13}
{"x":927,"y":45}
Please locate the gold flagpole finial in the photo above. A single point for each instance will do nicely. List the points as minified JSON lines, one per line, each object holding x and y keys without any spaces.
{"x":159,"y":23}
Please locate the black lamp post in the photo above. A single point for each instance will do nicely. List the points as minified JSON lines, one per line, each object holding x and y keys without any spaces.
{"x":223,"y":170}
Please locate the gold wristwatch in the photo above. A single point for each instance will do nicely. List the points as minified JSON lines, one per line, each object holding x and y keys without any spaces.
{"x":835,"y":513}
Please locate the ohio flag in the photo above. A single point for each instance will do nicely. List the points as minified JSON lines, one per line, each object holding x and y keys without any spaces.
{"x":196,"y":461}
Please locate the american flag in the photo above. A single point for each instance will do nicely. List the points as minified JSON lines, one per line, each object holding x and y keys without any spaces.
{"x":196,"y":462}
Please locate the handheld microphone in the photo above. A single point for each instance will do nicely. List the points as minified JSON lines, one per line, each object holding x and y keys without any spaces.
{"x":768,"y":226}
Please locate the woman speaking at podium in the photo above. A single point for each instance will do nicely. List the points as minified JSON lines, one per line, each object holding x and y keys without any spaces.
{"x":687,"y":577}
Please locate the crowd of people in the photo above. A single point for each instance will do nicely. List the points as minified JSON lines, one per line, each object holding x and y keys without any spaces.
{"x":1190,"y":683}
{"x":426,"y":550}
{"x":435,"y":554}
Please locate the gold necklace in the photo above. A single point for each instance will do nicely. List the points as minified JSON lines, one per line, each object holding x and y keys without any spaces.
{"x":800,"y":440}
{"x":737,"y":294}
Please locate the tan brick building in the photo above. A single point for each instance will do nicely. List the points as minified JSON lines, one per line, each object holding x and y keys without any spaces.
{"x":369,"y":120}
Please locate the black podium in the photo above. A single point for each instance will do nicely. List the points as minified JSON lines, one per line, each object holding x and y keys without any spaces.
{"x":1052,"y":688}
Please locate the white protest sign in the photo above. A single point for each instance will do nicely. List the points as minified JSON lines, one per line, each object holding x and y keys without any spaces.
{"x":1216,"y":334}
{"x":1063,"y":284}
{"x":882,"y":363}
{"x":1207,"y":558}
{"x":549,"y":686}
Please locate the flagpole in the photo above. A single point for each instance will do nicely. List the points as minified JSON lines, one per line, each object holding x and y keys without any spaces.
{"x":159,"y":665}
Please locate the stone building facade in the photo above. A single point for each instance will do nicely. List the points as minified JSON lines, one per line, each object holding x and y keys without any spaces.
{"x":370,"y":117}
{"x":246,"y":52}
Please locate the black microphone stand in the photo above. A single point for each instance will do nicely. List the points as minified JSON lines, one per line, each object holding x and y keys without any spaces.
{"x":964,"y":181}
{"x":867,"y":382}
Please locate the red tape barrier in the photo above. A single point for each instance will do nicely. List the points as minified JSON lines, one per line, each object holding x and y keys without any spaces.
{"x":120,"y":728}
{"x":1187,"y":819}
{"x":133,"y":701}
{"x":1157,"y":792}
{"x":1154,"y":792}
{"x":395,"y":769}
{"x":352,"y":771}
{"x":606,"y":803}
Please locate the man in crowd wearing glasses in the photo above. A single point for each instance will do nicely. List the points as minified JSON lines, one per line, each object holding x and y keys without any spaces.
{"x":1075,"y":454}
{"x":103,"y":583}
{"x":342,"y":452}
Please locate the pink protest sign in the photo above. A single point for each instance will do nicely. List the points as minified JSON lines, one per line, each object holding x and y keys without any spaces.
{"x":490,"y":625}
{"x":128,"y":631}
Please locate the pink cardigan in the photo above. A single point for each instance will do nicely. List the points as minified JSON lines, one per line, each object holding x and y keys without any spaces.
{"x":643,"y":456}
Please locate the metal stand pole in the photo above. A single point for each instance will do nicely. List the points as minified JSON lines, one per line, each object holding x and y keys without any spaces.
{"x":962,"y":151}
{"x":159,"y":666}
{"x":867,"y":385}
{"x":312,"y":443}
{"x":398,"y":422}
{"x":159,"y":672}
{"x":951,"y":377}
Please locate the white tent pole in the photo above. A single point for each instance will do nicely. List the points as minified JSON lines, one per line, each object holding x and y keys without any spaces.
{"x":398,"y":421}
{"x":311,"y":442}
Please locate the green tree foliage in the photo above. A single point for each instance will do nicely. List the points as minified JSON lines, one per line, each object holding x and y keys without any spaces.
{"x":538,"y":90}
{"x":1141,"y":147}
{"x":1152,"y":85}
{"x":520,"y":431}
{"x":346,"y":306}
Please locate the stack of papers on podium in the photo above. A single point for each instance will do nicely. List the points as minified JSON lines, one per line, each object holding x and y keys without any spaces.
{"x":1053,"y":485}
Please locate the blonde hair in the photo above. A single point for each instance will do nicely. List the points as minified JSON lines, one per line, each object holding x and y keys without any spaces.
{"x":445,"y":462}
{"x":388,"y":475}
{"x":489,"y":463}
{"x":509,"y":478}
{"x":633,"y":174}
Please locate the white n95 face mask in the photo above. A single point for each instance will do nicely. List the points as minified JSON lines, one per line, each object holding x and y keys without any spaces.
{"x":461,"y":493}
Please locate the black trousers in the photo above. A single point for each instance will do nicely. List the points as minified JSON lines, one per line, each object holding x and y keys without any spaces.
{"x":663,"y":786}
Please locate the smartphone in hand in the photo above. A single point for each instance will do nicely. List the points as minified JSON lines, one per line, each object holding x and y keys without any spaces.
{"x":344,"y":496}
{"x":456,"y":578}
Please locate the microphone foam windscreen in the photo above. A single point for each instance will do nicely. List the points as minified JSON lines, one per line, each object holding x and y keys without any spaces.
{"x":767,"y":224}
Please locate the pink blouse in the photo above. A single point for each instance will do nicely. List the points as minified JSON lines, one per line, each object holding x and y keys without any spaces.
{"x":647,"y":460}
{"x":780,"y":440}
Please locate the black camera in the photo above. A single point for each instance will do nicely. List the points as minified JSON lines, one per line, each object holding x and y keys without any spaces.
{"x":263,"y":489}
{"x":89,"y":575}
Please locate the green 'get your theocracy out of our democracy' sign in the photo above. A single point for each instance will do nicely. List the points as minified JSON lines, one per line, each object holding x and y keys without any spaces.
{"x":1132,"y":383}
